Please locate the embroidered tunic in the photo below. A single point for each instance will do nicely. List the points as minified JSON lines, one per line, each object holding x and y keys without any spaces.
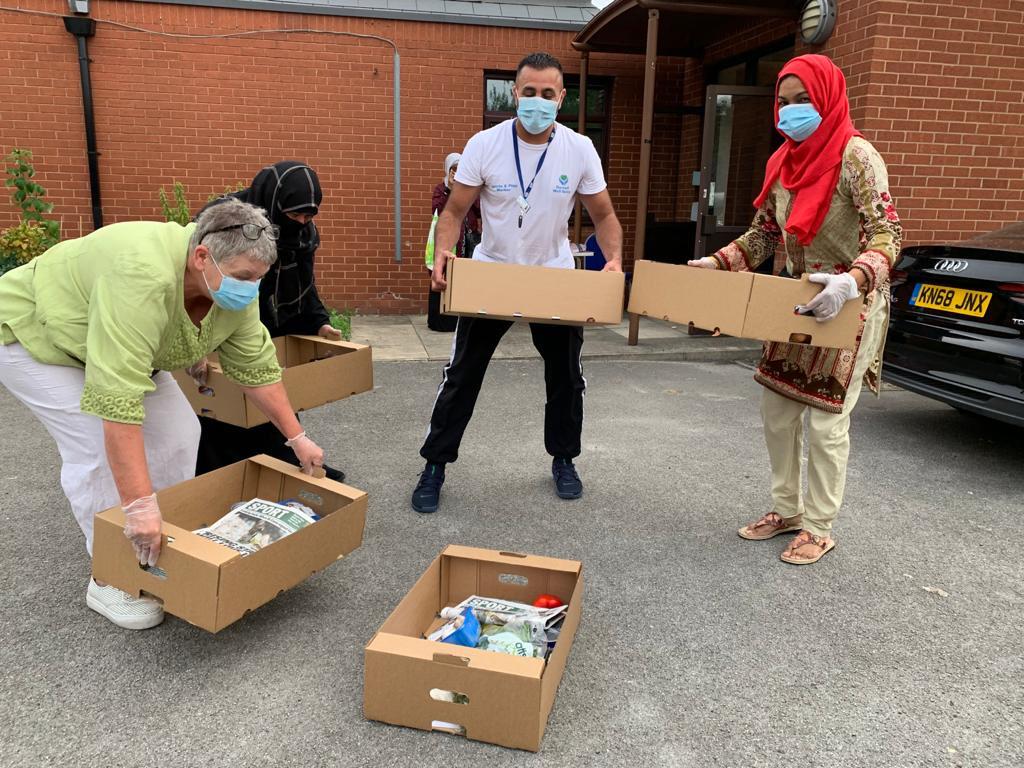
{"x":113,"y":303}
{"x":861,"y":231}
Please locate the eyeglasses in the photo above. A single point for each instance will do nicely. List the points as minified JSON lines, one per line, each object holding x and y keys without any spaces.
{"x":251,"y":231}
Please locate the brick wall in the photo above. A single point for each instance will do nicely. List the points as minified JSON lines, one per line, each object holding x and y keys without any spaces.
{"x":211,"y":112}
{"x":937,"y":87}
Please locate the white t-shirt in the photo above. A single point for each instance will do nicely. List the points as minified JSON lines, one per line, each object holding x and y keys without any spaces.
{"x":571,"y":166}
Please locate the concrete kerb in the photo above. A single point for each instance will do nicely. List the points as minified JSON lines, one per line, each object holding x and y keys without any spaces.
{"x":406,"y":338}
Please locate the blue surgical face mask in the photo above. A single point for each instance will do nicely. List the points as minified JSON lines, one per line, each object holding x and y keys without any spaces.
{"x":233,"y":294}
{"x":536,"y":114}
{"x":798,"y":121}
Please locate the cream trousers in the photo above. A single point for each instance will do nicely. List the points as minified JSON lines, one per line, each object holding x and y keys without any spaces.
{"x":52,"y":393}
{"x":828,"y":441}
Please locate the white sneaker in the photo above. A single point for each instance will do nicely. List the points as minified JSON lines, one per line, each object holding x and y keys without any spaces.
{"x":122,"y":609}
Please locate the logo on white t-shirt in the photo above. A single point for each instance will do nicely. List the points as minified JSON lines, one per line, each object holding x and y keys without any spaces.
{"x":562,"y":185}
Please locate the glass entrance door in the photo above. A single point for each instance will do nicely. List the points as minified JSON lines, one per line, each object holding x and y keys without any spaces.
{"x":738,"y":139}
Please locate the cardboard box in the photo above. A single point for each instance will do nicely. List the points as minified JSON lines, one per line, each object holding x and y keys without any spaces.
{"x":538,"y":294}
{"x":210,"y":585}
{"x":509,"y":697}
{"x":316,"y":372}
{"x":743,"y":304}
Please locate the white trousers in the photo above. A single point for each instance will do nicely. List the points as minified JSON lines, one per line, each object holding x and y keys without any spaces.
{"x":53,"y":392}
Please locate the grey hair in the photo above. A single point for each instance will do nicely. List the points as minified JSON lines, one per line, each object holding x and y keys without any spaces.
{"x":231,"y":242}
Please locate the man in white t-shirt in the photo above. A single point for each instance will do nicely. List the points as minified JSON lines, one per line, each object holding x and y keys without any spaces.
{"x":528,"y":172}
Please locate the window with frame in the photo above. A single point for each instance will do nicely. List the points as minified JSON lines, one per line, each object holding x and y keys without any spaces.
{"x":500,"y":106}
{"x":758,"y":67}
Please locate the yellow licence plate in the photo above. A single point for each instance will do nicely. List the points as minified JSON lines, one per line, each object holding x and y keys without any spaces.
{"x":958,"y":300}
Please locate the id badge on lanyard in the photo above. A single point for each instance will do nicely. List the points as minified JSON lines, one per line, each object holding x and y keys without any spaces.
{"x":524,"y":190}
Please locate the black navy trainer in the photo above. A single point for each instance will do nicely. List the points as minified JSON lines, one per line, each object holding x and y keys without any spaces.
{"x":567,"y":482}
{"x":428,"y":489}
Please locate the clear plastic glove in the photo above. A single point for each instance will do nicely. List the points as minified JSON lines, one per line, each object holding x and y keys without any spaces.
{"x":838,"y":290}
{"x":308,"y":453}
{"x":200,"y":373}
{"x":706,"y":263}
{"x":328,"y":331}
{"x":142,"y":522}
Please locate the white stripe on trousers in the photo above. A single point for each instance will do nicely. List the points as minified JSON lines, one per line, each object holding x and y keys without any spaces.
{"x":53,"y":392}
{"x":444,"y":380}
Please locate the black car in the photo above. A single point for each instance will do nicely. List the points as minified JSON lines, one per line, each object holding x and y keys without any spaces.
{"x":957,"y":328}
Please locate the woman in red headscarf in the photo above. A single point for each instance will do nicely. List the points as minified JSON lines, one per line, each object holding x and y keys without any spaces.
{"x":826,"y":201}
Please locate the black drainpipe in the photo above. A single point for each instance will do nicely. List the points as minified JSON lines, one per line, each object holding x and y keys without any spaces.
{"x":82,"y":27}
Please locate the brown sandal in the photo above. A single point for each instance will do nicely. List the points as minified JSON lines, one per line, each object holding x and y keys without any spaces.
{"x":770,"y":525}
{"x":806,"y":538}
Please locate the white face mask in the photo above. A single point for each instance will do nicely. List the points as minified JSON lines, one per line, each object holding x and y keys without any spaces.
{"x":536,"y":114}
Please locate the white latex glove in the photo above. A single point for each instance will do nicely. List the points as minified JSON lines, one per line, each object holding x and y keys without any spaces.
{"x":307,"y":452}
{"x":328,"y":331}
{"x":838,"y":290}
{"x":142,"y":521}
{"x":707,"y":263}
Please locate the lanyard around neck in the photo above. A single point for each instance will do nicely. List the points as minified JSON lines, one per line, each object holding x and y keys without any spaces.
{"x":519,"y":168}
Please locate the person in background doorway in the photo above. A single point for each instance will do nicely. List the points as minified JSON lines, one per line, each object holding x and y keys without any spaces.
{"x":826,"y":199}
{"x":469,"y":237}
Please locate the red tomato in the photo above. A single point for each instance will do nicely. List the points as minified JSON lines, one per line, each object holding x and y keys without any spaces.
{"x":547,"y":601}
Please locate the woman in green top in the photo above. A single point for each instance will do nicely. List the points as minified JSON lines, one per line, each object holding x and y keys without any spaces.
{"x":88,"y":331}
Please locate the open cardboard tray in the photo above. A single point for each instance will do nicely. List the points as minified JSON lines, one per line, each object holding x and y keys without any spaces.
{"x":509,"y":697}
{"x":316,"y":371}
{"x":741,"y":304}
{"x":210,"y":585}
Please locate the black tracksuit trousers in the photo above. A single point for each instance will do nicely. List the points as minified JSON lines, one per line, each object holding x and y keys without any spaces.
{"x":475,"y":342}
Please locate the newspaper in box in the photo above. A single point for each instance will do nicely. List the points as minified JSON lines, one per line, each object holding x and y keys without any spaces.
{"x":262,"y":546}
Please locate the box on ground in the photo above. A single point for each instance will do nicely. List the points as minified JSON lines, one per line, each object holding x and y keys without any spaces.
{"x":210,"y":585}
{"x":315,"y":372}
{"x":742,"y":304}
{"x":538,"y":294}
{"x":509,"y":698}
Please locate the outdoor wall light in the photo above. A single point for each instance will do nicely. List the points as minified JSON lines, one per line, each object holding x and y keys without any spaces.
{"x":79,"y":6}
{"x":817,"y":20}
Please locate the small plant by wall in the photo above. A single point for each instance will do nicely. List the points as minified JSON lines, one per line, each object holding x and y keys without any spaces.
{"x":177,"y":209}
{"x":35,"y":232}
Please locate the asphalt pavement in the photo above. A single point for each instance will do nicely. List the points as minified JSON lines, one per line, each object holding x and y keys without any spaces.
{"x":902,"y":647}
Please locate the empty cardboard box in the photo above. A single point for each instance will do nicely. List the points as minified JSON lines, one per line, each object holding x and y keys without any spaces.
{"x":208,"y":584}
{"x":507,"y":698}
{"x":742,"y":304}
{"x":537,"y":294}
{"x":316,"y":371}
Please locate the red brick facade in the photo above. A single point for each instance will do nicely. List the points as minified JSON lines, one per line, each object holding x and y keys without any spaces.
{"x":937,"y":87}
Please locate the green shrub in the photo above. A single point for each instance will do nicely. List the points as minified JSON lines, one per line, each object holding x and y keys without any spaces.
{"x":23,"y":242}
{"x":342,"y":321}
{"x":238,"y":186}
{"x":178,"y":210}
{"x":34,"y":233}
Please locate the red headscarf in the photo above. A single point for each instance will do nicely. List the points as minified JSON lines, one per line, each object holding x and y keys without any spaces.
{"x":810,"y":168}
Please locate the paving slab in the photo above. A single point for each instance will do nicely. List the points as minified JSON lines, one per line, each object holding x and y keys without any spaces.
{"x":407,"y":337}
